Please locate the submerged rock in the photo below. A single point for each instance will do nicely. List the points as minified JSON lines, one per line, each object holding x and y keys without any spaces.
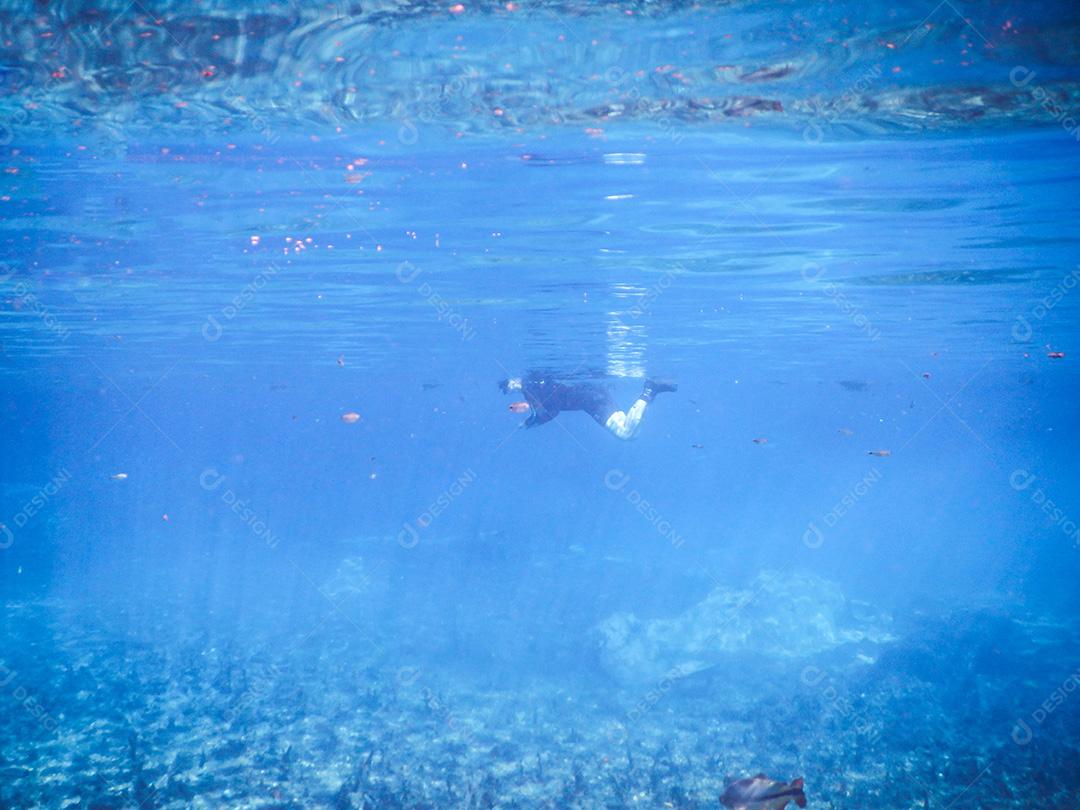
{"x":354,"y":577}
{"x":781,"y":617}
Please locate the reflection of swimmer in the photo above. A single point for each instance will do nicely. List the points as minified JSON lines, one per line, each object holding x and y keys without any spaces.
{"x":546,"y":398}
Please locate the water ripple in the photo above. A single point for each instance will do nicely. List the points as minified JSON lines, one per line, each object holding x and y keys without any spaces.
{"x":495,"y":67}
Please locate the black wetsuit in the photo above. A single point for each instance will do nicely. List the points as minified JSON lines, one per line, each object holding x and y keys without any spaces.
{"x":547,"y":398}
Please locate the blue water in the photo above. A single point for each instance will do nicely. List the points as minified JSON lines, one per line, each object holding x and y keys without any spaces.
{"x":270,"y":536}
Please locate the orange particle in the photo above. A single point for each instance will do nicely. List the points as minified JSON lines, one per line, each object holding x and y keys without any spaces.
{"x":350,"y":418}
{"x":457,"y":8}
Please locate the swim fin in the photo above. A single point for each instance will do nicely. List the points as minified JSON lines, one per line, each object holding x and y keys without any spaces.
{"x":656,"y":386}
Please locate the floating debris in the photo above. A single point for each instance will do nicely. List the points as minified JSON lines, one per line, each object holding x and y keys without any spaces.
{"x":350,"y":418}
{"x":761,"y":440}
{"x":881,"y":453}
{"x":118,"y":477}
{"x":854,"y":385}
{"x":1056,"y":355}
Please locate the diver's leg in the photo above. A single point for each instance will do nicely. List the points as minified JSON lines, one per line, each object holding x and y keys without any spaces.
{"x":625,"y":425}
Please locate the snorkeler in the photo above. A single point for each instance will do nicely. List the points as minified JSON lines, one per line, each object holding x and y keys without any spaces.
{"x":546,"y":398}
